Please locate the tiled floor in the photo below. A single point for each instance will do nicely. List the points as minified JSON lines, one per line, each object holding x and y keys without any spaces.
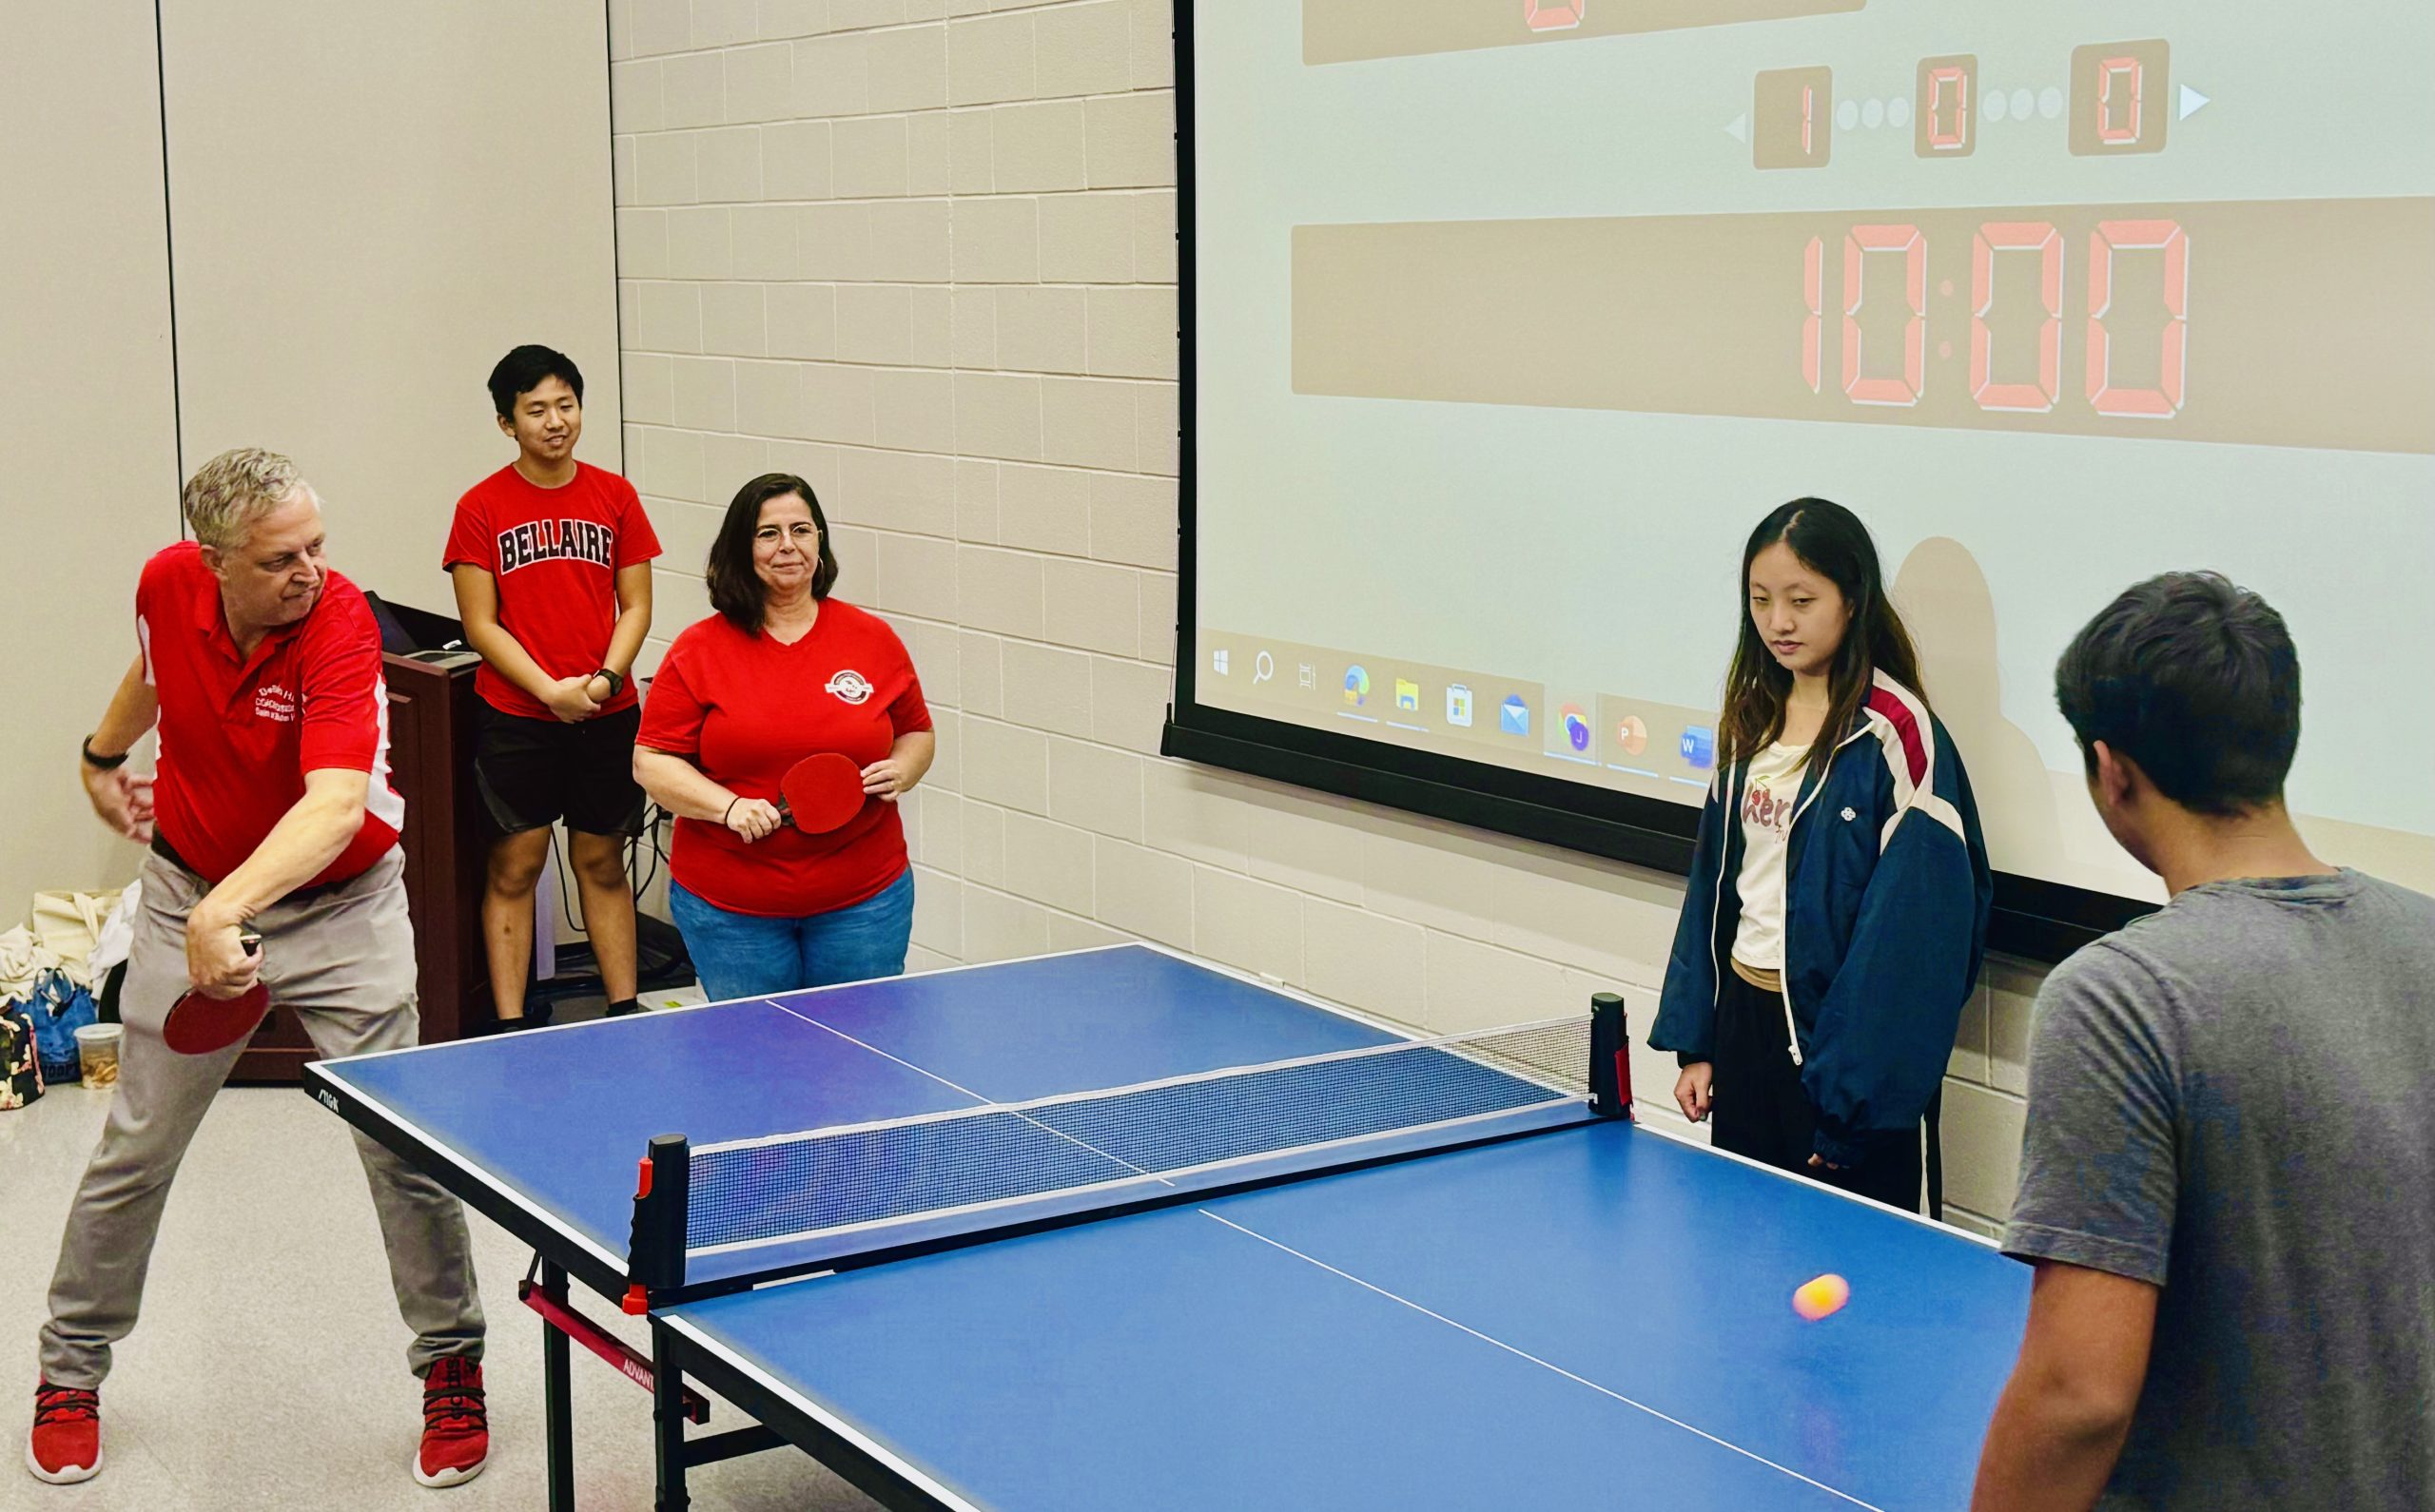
{"x":269,"y":1370}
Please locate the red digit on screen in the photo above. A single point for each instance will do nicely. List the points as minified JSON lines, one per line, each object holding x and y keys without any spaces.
{"x":2016,"y":236}
{"x":1813,"y":285}
{"x":2119,"y":84}
{"x":1948,"y":109}
{"x":2164,"y":400}
{"x":1904,"y":388}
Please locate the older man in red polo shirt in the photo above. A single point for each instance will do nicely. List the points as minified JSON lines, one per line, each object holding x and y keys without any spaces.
{"x":271,"y":813}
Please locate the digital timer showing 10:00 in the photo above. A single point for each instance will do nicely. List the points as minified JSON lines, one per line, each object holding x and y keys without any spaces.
{"x":2054,"y":318}
{"x":2016,"y":364}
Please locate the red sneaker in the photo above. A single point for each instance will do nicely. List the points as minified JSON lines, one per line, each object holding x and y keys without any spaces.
{"x":65,"y":1445}
{"x":455,"y":1424}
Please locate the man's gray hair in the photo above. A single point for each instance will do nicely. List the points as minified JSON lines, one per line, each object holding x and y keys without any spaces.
{"x":229,"y":493}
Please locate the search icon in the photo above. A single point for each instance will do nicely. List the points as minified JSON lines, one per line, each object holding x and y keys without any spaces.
{"x":1263,"y":667}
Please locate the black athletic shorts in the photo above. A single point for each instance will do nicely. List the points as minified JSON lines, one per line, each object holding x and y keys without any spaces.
{"x":537,"y":771}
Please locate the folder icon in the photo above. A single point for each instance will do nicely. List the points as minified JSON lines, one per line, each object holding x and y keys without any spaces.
{"x":1407,"y":696}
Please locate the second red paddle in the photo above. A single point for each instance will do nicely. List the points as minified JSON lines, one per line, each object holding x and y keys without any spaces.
{"x":200,"y":1024}
{"x":820,"y":792}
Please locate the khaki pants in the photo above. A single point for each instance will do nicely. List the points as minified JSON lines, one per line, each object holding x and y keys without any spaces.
{"x":345,"y":961}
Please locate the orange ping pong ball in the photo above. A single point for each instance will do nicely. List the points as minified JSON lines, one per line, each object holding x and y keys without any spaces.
{"x":1821,"y":1295}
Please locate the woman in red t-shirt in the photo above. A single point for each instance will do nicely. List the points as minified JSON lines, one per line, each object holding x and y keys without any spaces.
{"x":782,"y":672}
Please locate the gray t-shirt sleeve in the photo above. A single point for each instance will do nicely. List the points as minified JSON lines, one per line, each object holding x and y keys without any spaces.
{"x":2099,"y":1165}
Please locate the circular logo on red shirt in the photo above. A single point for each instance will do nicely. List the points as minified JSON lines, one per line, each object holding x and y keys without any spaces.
{"x":850,"y":686}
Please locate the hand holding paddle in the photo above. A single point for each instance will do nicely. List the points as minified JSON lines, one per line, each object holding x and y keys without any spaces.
{"x":201,"y":1023}
{"x":752,"y":819}
{"x":819,"y":793}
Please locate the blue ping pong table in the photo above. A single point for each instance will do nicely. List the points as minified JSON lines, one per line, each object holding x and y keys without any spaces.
{"x":1565,"y":1311}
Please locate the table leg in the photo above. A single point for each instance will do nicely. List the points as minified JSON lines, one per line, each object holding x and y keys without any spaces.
{"x":667,"y":1421}
{"x":556,"y":1395}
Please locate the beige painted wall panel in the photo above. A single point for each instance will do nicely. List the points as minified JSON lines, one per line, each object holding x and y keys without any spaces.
{"x":373,"y":202}
{"x":86,"y":421}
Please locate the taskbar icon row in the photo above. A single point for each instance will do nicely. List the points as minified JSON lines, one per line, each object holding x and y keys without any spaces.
{"x":1626,"y":742}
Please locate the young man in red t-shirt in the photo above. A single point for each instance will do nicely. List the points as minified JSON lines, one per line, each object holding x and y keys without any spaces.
{"x":271,"y":813}
{"x":551,"y":562}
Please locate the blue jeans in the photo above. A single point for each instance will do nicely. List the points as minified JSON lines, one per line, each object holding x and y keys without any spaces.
{"x":745,"y":956}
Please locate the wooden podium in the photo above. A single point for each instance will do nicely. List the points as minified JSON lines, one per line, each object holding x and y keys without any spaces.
{"x":431,"y":758}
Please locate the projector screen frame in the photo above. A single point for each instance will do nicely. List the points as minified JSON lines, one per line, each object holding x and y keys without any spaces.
{"x":2034,"y":919}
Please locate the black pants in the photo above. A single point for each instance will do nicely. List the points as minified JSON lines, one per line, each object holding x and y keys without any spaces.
{"x":1761,"y":1111}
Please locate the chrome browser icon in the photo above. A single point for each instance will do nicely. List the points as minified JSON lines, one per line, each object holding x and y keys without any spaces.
{"x":1356,"y":686}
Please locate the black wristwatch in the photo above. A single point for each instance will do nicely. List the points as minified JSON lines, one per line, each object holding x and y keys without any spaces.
{"x":101,"y":764}
{"x":616,"y":680}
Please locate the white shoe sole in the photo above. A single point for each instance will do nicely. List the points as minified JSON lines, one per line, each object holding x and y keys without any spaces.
{"x":445,"y":1478}
{"x":68,"y":1477}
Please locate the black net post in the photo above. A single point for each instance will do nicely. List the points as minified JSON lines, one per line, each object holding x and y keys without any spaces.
{"x":656,"y":1252}
{"x":1610,"y":1057}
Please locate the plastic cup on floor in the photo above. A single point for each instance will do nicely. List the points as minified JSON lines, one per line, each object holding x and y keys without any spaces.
{"x":97,"y":1053}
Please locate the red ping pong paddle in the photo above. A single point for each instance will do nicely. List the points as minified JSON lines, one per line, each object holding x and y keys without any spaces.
{"x":820,"y":792}
{"x":200,"y":1024}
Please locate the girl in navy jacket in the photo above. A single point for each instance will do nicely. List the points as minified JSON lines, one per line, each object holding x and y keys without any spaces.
{"x":1839,"y":892}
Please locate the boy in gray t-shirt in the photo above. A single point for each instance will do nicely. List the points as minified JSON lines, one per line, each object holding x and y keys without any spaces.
{"x":2228,"y":1182}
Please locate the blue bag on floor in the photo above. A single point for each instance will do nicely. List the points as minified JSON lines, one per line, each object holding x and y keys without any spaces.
{"x":58,"y":1009}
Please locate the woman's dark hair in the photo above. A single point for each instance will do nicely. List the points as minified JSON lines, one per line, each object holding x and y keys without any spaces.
{"x":1829,"y":539}
{"x":2196,"y":680}
{"x":525,"y":369}
{"x":737,"y":591}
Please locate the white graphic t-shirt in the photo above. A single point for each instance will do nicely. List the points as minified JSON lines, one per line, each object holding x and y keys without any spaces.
{"x":1767,"y":798}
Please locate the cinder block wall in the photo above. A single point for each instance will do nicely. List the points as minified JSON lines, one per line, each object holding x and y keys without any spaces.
{"x":922,"y":252}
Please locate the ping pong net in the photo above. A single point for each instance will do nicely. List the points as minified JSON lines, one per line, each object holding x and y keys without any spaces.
{"x":823,"y":1197}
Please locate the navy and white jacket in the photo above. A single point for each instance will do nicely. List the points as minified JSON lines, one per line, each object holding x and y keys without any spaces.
{"x":1887,"y":891}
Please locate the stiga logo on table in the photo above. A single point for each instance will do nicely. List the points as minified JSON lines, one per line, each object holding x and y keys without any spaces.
{"x":850,"y":686}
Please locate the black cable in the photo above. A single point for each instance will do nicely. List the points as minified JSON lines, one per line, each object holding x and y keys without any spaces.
{"x":169,"y":261}
{"x":652,"y":821}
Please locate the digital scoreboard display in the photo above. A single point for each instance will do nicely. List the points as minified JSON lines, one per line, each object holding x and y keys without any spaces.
{"x":1508,"y":317}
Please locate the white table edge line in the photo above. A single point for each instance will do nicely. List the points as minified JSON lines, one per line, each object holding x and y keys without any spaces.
{"x":510,"y":1037}
{"x":457,"y":1157}
{"x":757,"y":998}
{"x":1497,"y":1343}
{"x":1948,"y":1229}
{"x":1295,"y":994}
{"x":927,"y":1484}
{"x":779,"y":998}
{"x":1406,"y":1027}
